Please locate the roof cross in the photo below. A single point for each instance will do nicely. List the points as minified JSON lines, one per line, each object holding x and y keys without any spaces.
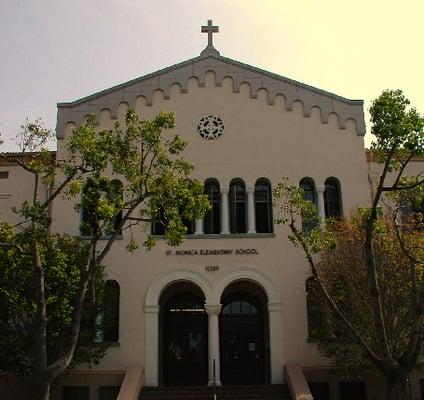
{"x":210,"y":30}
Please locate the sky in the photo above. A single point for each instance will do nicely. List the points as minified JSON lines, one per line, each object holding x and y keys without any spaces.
{"x":59,"y":50}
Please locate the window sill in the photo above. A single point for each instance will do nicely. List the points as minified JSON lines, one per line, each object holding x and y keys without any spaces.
{"x":109,"y":344}
{"x":103,"y":237}
{"x":225,"y":236}
{"x":112,"y":344}
{"x":316,"y":340}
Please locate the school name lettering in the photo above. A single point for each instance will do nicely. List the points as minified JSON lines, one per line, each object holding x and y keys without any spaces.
{"x":212,"y":252}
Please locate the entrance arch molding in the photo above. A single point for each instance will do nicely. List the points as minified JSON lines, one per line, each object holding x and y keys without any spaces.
{"x":246,"y":274}
{"x":160,"y":283}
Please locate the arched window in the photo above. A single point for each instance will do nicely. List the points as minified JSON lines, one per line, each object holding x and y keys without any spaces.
{"x":189,"y":226}
{"x":263,"y":206}
{"x":111,"y":311}
{"x":91,"y":195}
{"x":212,"y":220}
{"x":332,"y":198}
{"x":87,"y":223}
{"x":309,"y":193}
{"x":160,"y":223}
{"x":314,"y":309}
{"x":115,"y":193}
{"x":237,"y":206}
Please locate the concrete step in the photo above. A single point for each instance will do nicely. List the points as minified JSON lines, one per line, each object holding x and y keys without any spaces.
{"x":242,"y":392}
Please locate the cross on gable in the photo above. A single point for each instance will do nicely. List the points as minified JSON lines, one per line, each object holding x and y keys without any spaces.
{"x":210,"y":30}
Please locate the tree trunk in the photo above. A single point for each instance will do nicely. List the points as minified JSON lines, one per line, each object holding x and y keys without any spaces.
{"x":398,"y":389}
{"x":42,"y":390}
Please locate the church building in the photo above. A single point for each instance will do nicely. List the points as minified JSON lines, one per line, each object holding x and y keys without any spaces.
{"x":229,"y":306}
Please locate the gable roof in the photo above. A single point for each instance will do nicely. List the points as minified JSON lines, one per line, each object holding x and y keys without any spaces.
{"x":223,"y":67}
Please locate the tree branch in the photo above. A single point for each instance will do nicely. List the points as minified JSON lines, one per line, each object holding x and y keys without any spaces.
{"x":41,"y":317}
{"x":124,"y":219}
{"x":374,"y":290}
{"x":406,"y":187}
{"x":333,"y":306}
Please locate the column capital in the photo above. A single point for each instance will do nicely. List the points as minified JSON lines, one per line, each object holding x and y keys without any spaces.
{"x":320,"y":189}
{"x":153,"y":309}
{"x":250,"y":189}
{"x":213,"y":309}
{"x":224,"y":189}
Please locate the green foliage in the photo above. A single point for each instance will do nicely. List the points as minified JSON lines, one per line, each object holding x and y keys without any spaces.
{"x":33,"y":136}
{"x":399,"y":131}
{"x":343,"y":272}
{"x":61,"y":258}
{"x":369,"y":267}
{"x":123,"y":177}
{"x":147,"y":158}
{"x":295,"y":210}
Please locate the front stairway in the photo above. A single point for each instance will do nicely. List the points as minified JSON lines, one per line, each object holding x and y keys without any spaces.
{"x":245,"y":392}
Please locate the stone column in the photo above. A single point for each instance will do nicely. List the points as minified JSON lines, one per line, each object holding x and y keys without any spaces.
{"x":224,"y":211}
{"x":151,"y":344}
{"x":320,"y":205}
{"x":213,"y":311}
{"x":276,"y":342}
{"x":198,"y":230}
{"x":251,"y":210}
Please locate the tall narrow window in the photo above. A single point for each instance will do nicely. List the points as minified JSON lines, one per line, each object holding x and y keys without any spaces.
{"x":115,"y":194}
{"x":309,"y":193}
{"x":88,"y":223}
{"x":189,"y":226}
{"x":91,"y":195}
{"x":159,"y":223}
{"x":111,"y":311}
{"x":332,"y":198}
{"x":212,"y":220}
{"x":314,"y":309}
{"x":237,"y":206}
{"x":263,"y":206}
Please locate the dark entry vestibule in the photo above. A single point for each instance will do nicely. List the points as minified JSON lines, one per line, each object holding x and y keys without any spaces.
{"x":184,"y":337}
{"x":243,"y":336}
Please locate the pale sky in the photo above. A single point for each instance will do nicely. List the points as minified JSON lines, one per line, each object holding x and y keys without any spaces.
{"x":59,"y":50}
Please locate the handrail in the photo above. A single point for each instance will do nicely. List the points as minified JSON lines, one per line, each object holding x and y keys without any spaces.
{"x":131,"y":385}
{"x":298,"y":386}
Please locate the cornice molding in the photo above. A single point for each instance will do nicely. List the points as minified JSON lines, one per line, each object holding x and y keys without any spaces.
{"x":258,"y":79}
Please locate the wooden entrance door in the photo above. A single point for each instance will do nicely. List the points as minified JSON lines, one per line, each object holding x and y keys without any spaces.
{"x":185,"y":341}
{"x":242,"y":340}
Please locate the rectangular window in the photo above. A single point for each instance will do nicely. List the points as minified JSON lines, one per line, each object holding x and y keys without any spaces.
{"x":108,"y":392}
{"x":4,"y":174}
{"x":75,"y":393}
{"x":320,"y":390}
{"x":352,"y":391}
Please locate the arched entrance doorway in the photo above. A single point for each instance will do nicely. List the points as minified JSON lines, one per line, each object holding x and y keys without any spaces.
{"x":244,"y":337}
{"x":184,"y":342}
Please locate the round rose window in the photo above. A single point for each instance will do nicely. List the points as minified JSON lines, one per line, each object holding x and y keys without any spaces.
{"x":210,"y":127}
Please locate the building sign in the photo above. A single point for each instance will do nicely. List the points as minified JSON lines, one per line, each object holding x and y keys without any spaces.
{"x":211,"y":252}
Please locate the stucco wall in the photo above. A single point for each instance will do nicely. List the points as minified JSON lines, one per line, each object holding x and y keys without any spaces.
{"x":260,"y":140}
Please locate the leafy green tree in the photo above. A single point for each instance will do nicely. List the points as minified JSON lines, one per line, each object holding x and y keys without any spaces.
{"x":61,"y":257}
{"x":369,"y":268}
{"x":147,"y":157}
